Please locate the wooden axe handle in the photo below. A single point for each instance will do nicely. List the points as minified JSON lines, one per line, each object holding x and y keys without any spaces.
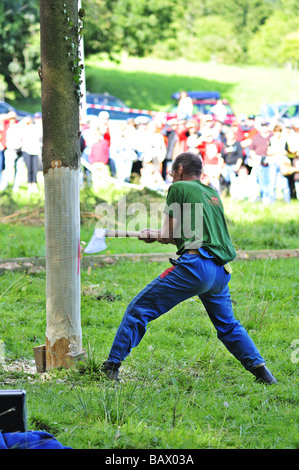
{"x":121,"y":234}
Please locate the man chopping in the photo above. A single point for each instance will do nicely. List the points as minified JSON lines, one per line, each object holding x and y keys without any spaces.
{"x":195,"y":223}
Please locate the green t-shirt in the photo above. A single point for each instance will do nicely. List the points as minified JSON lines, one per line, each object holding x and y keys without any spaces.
{"x":202,"y":224}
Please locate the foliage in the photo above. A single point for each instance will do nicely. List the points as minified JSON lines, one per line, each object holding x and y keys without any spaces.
{"x":127,"y":25}
{"x":19,"y":45}
{"x":273,"y":43}
{"x":209,"y":38}
{"x":235,"y":31}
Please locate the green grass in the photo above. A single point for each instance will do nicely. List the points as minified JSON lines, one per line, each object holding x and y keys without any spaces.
{"x":251,"y":226}
{"x":180,"y":387}
{"x":148,"y":83}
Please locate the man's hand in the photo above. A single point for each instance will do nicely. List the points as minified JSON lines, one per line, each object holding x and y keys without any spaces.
{"x":163,"y":235}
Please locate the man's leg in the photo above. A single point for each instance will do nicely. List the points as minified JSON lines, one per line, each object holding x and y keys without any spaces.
{"x":157,"y":298}
{"x":233,"y":335}
{"x":162,"y":294}
{"x":229,"y":330}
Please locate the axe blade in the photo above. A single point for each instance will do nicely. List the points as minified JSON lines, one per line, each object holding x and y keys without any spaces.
{"x":97,"y":242}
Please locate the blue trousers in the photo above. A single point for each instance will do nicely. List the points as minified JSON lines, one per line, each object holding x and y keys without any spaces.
{"x":192,"y":275}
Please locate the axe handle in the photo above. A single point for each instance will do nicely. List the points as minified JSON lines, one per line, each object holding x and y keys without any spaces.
{"x":121,"y":234}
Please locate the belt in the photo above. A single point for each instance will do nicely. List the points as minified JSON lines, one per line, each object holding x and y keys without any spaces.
{"x":226,"y":266}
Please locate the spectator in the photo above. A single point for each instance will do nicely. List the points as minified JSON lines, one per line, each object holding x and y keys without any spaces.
{"x":170,"y":132}
{"x":276,"y":156}
{"x":151,"y":178}
{"x":249,"y":131}
{"x":185,"y":106}
{"x":90,"y":135}
{"x":243,"y":187}
{"x":206,"y":124}
{"x":99,"y":157}
{"x":158,"y":147}
{"x":30,"y":145}
{"x":238,"y":130}
{"x":296,"y":176}
{"x":104,"y":124}
{"x":37,"y":119}
{"x":12,"y":150}
{"x":182,"y":134}
{"x":231,"y":159}
{"x":292,"y":147}
{"x":122,"y":153}
{"x":219,"y":110}
{"x":142,"y":142}
{"x":292,"y":141}
{"x":192,"y":137}
{"x":259,"y":166}
{"x":210,"y":150}
{"x":2,"y":148}
{"x":219,"y":131}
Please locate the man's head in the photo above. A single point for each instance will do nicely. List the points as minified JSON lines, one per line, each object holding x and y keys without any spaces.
{"x":187,"y":166}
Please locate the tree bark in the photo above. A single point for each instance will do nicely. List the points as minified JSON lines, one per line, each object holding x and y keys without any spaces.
{"x":61,"y":157}
{"x":60,"y":107}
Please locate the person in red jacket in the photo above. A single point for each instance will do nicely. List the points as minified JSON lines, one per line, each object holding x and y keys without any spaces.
{"x":210,"y":150}
{"x":99,"y":152}
{"x":99,"y":157}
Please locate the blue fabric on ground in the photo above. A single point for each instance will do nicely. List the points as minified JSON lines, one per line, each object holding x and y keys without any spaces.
{"x":29,"y":440}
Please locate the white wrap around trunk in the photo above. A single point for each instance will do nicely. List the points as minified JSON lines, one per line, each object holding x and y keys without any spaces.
{"x":62,"y":225}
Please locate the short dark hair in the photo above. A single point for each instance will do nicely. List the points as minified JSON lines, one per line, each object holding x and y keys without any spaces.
{"x":191,"y":163}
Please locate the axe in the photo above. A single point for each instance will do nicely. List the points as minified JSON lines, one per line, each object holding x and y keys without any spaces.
{"x":98,"y":243}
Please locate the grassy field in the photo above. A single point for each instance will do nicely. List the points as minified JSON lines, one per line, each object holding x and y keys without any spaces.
{"x":180,"y":388}
{"x":148,"y":83}
{"x":252,"y":226}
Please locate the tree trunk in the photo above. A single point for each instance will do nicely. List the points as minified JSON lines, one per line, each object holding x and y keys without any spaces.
{"x":61,"y":156}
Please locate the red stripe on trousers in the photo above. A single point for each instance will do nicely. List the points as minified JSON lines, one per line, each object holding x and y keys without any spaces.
{"x":167,"y":271}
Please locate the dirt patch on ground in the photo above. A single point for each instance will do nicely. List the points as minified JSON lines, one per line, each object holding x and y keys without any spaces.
{"x":37,"y":265}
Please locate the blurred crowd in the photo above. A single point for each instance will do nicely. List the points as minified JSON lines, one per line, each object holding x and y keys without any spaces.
{"x":20,"y":151}
{"x":249,"y":159}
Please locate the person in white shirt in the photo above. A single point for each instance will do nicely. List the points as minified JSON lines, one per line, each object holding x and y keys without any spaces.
{"x":11,"y":152}
{"x":219,"y":110}
{"x":30,"y":144}
{"x":185,"y":106}
{"x":276,"y":156}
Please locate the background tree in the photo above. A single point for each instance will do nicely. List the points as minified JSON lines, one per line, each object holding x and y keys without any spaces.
{"x":234,"y":31}
{"x":209,"y":38}
{"x":134,"y":26}
{"x":19,"y":44}
{"x":268,"y":46}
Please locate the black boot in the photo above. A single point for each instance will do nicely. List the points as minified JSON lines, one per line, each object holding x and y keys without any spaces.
{"x":111,"y":370}
{"x":263,"y":374}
